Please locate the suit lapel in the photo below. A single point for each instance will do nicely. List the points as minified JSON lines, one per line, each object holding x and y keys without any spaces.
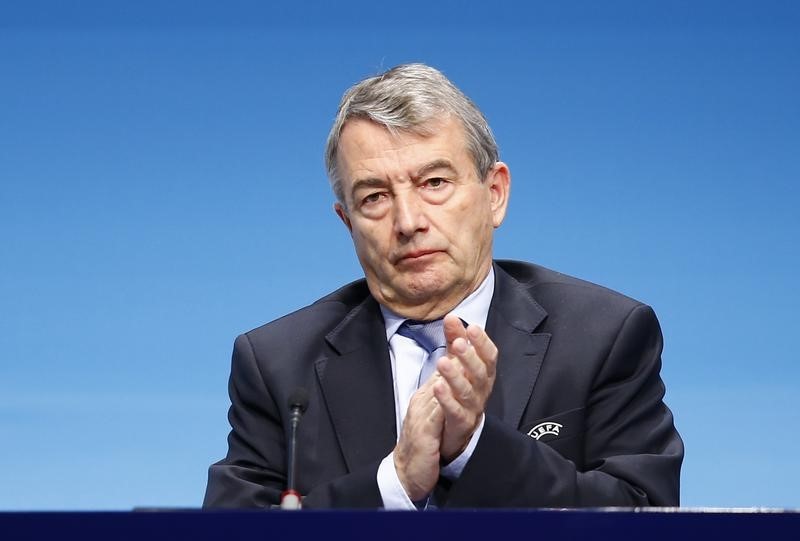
{"x":357,"y":386}
{"x":513,"y":316}
{"x":357,"y":382}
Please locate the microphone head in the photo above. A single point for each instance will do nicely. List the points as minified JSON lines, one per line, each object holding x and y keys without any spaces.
{"x":298,"y":399}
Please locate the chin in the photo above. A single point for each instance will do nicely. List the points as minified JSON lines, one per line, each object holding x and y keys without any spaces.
{"x":422,"y":288}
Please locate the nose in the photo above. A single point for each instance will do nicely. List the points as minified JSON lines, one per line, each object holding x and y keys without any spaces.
{"x":409,"y":214}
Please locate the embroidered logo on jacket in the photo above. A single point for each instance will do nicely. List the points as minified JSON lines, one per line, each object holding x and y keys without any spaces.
{"x":545,"y":428}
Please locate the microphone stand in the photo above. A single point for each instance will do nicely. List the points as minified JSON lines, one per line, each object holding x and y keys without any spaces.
{"x":298,"y":402}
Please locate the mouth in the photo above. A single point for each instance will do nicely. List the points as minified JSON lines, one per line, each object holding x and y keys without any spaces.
{"x":417,"y":256}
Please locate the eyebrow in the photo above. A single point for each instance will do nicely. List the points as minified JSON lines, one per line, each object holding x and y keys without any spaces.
{"x":367,"y":183}
{"x":435,"y":164}
{"x":374,"y":182}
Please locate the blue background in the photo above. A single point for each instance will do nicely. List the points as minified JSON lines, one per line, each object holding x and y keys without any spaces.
{"x":162,"y":190}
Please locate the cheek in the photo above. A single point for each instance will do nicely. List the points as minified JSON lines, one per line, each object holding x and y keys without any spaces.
{"x":369,"y":242}
{"x":471,"y":220}
{"x":471,"y":230}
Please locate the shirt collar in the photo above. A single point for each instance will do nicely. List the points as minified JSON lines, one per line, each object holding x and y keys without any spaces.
{"x":474,"y":309}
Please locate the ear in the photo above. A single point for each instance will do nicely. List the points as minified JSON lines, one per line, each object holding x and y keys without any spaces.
{"x":498,"y":182}
{"x":340,"y":211}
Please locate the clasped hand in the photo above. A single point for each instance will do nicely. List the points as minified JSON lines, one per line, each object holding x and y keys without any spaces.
{"x":445,"y":411}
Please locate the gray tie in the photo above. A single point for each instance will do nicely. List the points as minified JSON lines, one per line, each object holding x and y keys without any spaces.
{"x":430,"y":337}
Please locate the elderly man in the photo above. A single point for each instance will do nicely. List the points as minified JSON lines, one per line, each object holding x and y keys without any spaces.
{"x":444,"y":378}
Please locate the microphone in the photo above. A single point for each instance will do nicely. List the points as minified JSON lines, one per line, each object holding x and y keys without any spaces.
{"x":298,"y":402}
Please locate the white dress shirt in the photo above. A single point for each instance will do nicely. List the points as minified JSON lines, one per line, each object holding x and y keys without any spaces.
{"x":407,"y":359}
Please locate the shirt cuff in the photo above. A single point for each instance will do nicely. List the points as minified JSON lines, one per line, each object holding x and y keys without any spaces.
{"x":392,"y":492}
{"x":453,"y":470}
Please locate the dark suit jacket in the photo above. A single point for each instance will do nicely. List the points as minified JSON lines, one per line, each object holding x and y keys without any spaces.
{"x":571,"y":352}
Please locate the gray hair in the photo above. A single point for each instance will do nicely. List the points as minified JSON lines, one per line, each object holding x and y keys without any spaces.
{"x":407,"y":98}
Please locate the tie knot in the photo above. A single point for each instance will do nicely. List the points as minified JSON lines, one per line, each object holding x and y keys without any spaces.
{"x":428,"y":334}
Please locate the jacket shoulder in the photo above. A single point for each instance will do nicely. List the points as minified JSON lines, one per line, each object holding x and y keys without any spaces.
{"x":553,"y":289}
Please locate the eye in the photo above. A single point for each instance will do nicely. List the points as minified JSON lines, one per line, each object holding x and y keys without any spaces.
{"x":373,"y":198}
{"x":434,"y":183}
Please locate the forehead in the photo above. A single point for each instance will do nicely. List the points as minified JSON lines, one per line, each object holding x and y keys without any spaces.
{"x":365,"y":146}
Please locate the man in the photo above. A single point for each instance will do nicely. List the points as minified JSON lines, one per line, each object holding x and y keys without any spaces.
{"x":545,"y":390}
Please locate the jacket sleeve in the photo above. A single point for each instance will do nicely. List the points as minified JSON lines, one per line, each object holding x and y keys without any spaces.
{"x":253,"y":474}
{"x":631,"y":456}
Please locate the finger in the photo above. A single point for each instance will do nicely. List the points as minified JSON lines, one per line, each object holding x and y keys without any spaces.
{"x":422,"y":402}
{"x":450,"y":407}
{"x":424,"y":416}
{"x":484,"y":347}
{"x":474,"y":367}
{"x":453,"y":328}
{"x":436,"y":417}
{"x":461,"y":387}
{"x":426,"y":388}
{"x":456,"y":418}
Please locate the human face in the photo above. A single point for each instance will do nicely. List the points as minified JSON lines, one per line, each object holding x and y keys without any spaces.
{"x":420,"y":218}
